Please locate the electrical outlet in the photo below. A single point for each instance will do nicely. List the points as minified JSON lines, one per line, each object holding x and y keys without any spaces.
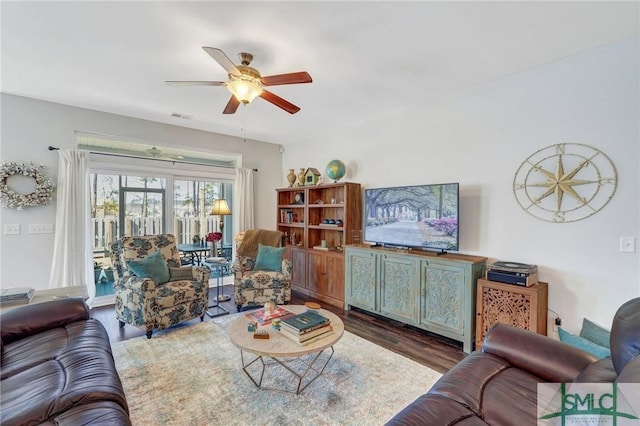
{"x":46,"y":228}
{"x":11,"y":229}
{"x":557,"y":323}
{"x":627,"y":244}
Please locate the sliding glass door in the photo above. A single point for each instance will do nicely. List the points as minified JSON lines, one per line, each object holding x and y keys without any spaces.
{"x":147,"y":205}
{"x":142,"y":212}
{"x":193,"y":203}
{"x":122,"y":205}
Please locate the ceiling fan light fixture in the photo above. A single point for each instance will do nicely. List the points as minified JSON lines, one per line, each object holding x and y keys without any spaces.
{"x":244,"y":90}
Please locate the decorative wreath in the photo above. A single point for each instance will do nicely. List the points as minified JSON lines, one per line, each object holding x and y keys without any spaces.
{"x":40,"y":197}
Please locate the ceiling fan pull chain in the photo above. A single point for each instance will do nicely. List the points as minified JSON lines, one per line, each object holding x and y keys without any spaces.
{"x":243,"y":121}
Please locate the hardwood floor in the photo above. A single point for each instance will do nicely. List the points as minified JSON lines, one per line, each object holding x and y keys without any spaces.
{"x":436,"y":352}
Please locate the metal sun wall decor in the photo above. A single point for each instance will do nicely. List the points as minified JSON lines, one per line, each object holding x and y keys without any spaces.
{"x":565,"y":182}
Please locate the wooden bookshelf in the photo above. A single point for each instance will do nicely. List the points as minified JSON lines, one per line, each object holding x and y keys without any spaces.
{"x":301,"y":212}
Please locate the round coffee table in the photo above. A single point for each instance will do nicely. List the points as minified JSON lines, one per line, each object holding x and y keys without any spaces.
{"x":305,"y":363}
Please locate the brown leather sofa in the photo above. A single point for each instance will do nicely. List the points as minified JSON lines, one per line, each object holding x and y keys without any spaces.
{"x":498,"y":384}
{"x":57,"y":368}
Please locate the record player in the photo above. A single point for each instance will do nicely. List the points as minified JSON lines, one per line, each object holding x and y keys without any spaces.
{"x":513,"y":273}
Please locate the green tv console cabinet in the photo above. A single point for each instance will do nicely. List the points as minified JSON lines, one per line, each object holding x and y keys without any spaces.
{"x":433,"y":292}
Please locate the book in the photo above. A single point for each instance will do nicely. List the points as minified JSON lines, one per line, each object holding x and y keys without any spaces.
{"x":306,"y":336}
{"x":310,"y":340}
{"x":16,"y":294}
{"x":305,"y":321}
{"x":16,"y":302}
{"x":324,"y":248}
{"x":263,"y":318}
{"x":305,"y":331}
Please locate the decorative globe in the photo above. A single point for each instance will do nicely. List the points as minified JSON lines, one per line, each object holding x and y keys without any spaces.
{"x":336,"y":170}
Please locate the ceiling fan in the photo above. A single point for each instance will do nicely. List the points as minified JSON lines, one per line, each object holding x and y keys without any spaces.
{"x":157,"y":153}
{"x":245,"y":82}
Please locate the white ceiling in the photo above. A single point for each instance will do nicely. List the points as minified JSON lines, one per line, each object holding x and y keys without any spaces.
{"x":366,"y":58}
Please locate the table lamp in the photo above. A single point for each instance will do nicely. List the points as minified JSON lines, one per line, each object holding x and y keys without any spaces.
{"x":221,"y":209}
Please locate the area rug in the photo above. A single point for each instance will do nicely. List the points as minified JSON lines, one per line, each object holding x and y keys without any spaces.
{"x":192,"y":375}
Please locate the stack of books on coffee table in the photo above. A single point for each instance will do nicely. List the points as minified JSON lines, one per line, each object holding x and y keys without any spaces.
{"x":306,"y":328}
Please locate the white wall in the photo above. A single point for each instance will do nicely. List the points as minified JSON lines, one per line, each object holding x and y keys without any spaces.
{"x":479,"y":137}
{"x":29,"y":126}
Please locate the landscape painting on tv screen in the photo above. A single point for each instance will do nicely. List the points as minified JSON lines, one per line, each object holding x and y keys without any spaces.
{"x":421,"y":216}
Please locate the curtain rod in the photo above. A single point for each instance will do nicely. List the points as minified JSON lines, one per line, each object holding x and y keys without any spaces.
{"x":53,"y":148}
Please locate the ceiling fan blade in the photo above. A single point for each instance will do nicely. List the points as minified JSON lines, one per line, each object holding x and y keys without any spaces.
{"x":232,"y":106}
{"x":279,"y":102}
{"x":223,"y":60}
{"x":291,"y":78}
{"x":196,"y":83}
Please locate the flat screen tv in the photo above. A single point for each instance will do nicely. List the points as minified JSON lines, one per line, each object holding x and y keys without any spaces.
{"x":420,"y":216}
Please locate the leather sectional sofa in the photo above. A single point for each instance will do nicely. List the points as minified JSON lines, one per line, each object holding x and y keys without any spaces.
{"x":57,"y":368}
{"x":498,"y":384}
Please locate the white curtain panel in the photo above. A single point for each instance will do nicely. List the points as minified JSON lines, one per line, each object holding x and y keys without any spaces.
{"x":243,"y":200}
{"x":73,"y":250}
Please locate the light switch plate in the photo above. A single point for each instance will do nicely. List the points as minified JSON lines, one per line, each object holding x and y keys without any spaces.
{"x":627,"y":244}
{"x":45,"y":228}
{"x":11,"y":229}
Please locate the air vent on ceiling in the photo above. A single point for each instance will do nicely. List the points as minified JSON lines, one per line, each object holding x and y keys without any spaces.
{"x":183,"y":116}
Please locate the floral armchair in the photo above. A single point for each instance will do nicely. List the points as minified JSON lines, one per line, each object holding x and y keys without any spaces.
{"x":150,"y":305}
{"x":255,"y":287}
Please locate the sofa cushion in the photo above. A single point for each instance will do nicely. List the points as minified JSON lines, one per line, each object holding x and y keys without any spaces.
{"x":466,"y":381}
{"x":511,"y":394}
{"x":430,"y":409}
{"x":175,"y":293}
{"x":625,"y":334}
{"x":601,"y":371}
{"x":584,"y":344}
{"x":41,"y":317}
{"x":593,"y":332}
{"x":269,"y":258}
{"x":262,"y":280}
{"x":96,"y":413}
{"x":631,"y":372}
{"x":153,"y":266}
{"x":56,"y":370}
{"x":547,"y":358}
{"x":51,"y":344}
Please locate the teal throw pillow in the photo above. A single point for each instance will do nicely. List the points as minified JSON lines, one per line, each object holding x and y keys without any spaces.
{"x":584,"y":344}
{"x":153,"y":266}
{"x":595,"y":333}
{"x":269,"y":258}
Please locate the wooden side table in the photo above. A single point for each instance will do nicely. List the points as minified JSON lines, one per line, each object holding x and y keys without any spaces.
{"x":523,"y":307}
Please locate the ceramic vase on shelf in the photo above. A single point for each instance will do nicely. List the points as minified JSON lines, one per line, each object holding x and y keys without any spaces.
{"x":301,"y":177}
{"x":291,"y":177}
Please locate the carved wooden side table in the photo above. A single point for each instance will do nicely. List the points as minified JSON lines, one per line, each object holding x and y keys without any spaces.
{"x":523,"y":307}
